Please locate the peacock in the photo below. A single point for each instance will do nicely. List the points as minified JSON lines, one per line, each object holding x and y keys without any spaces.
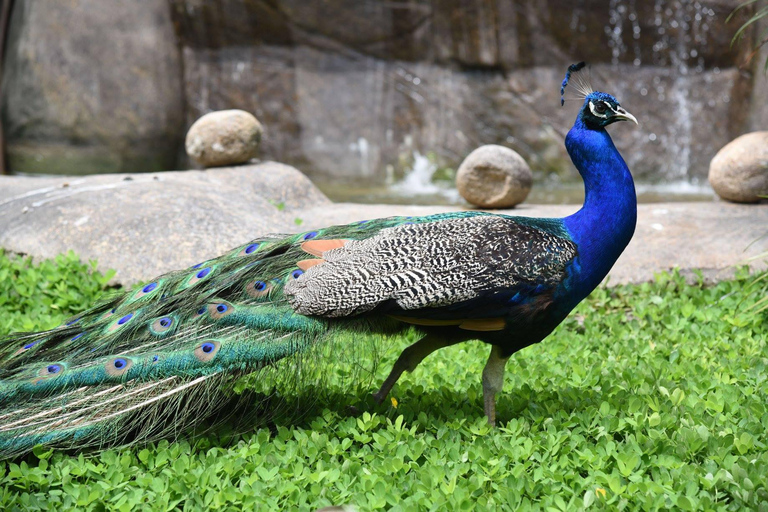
{"x":152,"y":362}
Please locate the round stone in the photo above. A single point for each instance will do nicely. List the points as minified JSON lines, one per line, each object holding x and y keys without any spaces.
{"x":226,"y":137}
{"x":494,"y":177}
{"x":739,"y":171}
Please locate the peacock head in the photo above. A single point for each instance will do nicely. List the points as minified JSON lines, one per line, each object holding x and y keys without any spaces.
{"x":599,"y":109}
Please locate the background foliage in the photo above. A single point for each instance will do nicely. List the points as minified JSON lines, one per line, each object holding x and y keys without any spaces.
{"x":648,"y":397}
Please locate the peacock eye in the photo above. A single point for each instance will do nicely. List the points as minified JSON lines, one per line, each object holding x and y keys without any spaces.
{"x":600,"y":107}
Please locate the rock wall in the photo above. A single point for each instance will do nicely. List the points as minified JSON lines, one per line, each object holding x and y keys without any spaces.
{"x":352,"y":88}
{"x":348,"y":88}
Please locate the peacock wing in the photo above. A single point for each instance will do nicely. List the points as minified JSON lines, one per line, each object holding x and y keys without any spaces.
{"x":436,"y":268}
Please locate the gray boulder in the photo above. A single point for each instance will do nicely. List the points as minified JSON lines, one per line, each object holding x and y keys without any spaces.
{"x":91,"y":87}
{"x":494,"y":177}
{"x":226,"y":137}
{"x":147,"y":224}
{"x":739,"y":171}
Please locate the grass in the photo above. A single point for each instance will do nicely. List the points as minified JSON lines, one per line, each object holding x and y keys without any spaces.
{"x":648,"y":397}
{"x":760,"y":8}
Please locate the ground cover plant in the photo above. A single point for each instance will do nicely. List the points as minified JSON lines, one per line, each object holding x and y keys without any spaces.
{"x":648,"y":397}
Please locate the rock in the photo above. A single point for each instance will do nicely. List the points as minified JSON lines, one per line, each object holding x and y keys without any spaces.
{"x":226,"y":137}
{"x":91,"y":87}
{"x":739,"y":171}
{"x":144,"y":225}
{"x":494,"y":177}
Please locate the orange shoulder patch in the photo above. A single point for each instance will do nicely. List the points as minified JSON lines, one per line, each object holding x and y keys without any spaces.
{"x":305,"y":264}
{"x":318,"y":247}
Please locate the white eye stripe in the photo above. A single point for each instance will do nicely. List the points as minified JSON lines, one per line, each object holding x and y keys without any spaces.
{"x":597,"y":114}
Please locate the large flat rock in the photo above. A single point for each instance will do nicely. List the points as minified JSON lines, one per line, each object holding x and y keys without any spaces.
{"x":143,"y":225}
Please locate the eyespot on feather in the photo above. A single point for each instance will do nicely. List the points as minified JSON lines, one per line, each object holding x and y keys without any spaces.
{"x":162,"y":325}
{"x":51,"y":370}
{"x":258,"y":289}
{"x":145,"y":290}
{"x":122,"y":321}
{"x":199,"y":275}
{"x":26,"y":347}
{"x":220,"y":309}
{"x":118,"y":366}
{"x":207,"y":350}
{"x":250,"y":249}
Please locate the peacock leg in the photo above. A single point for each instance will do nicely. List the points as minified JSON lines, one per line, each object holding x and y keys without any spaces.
{"x":410,"y":359}
{"x":493,"y":381}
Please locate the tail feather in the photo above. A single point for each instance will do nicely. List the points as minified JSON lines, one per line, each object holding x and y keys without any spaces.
{"x":99,"y":416}
{"x":161,"y":358}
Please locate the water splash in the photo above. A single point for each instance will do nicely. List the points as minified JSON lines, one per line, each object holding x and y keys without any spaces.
{"x":418,"y":181}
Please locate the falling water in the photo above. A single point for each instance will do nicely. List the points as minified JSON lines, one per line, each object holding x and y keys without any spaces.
{"x":682,"y":128}
{"x":680,"y":30}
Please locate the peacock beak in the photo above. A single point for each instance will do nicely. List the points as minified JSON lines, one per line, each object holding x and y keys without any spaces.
{"x":623,"y":115}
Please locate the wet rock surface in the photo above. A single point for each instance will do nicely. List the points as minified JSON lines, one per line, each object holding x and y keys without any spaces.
{"x":494,"y":177}
{"x":143,"y":225}
{"x":739,"y":171}
{"x":225,"y":137}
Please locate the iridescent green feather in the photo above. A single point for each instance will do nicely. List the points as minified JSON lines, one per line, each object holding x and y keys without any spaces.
{"x":183,"y":336}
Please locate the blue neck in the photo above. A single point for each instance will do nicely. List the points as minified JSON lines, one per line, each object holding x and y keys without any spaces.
{"x":606,"y":222}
